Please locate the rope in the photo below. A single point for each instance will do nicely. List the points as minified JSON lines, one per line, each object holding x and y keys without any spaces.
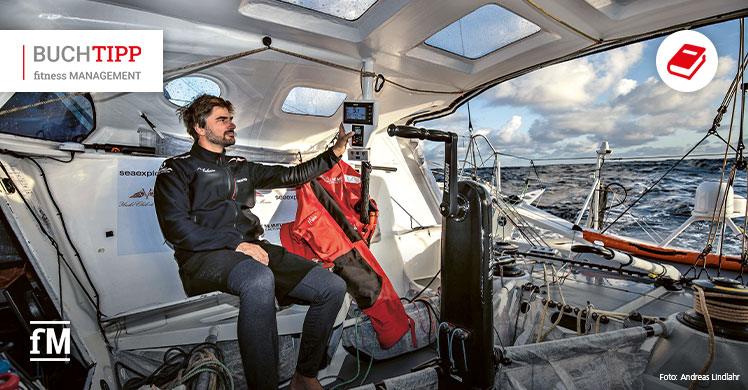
{"x":699,"y":292}
{"x":40,"y":103}
{"x":567,"y":25}
{"x":198,"y":66}
{"x":380,"y":78}
{"x":707,"y":303}
{"x":322,"y":62}
{"x":541,"y":334}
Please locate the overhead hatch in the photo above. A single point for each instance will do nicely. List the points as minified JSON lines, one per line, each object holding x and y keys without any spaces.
{"x":482,"y":31}
{"x":312,"y":101}
{"x":344,"y":9}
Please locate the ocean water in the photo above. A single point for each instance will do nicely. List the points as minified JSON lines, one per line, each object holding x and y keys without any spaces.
{"x":653,"y":218}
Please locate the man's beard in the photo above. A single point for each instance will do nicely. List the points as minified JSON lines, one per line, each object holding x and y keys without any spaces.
{"x":222,"y":140}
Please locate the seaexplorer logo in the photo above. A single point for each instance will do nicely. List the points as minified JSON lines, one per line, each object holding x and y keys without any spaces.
{"x":50,"y":341}
{"x":81,"y":60}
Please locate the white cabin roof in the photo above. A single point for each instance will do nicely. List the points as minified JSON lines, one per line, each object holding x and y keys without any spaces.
{"x":390,"y":32}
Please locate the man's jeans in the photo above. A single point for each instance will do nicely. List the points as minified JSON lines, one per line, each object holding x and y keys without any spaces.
{"x":254,"y":283}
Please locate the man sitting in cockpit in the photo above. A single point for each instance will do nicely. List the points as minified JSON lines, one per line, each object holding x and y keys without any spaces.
{"x":203,"y":202}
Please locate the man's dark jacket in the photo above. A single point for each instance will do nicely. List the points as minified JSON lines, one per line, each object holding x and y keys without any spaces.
{"x":203,"y":199}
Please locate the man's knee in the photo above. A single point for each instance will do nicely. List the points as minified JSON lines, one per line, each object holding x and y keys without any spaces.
{"x":249,"y":279}
{"x":336,"y":287}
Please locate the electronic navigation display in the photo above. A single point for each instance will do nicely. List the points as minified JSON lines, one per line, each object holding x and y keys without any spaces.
{"x":360,"y":113}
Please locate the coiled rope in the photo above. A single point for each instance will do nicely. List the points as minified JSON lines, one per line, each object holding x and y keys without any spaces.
{"x":710,"y":304}
{"x":707,"y":304}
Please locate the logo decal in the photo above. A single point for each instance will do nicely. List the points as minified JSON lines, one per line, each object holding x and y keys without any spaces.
{"x":687,"y":61}
{"x":82,"y":60}
{"x":143,"y":194}
{"x":57,"y":346}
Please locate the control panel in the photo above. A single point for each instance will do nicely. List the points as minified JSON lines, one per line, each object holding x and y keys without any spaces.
{"x":359,"y":117}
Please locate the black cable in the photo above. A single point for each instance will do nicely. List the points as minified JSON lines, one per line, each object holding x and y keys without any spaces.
{"x":625,"y":194}
{"x":72,"y":156}
{"x":59,"y":285}
{"x":23,"y":155}
{"x":655,"y":183}
{"x":430,"y":306}
{"x":95,"y":299}
{"x":99,"y":313}
{"x":419,"y":90}
{"x":424,"y":289}
{"x":53,"y":242}
{"x":429,"y":310}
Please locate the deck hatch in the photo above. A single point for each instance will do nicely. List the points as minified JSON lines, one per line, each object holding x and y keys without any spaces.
{"x":312,"y":101}
{"x":183,"y":90}
{"x":482,"y":31}
{"x":52,"y":116}
{"x":344,"y":9}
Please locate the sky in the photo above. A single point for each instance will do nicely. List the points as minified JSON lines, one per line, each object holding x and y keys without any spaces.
{"x":566,"y":110}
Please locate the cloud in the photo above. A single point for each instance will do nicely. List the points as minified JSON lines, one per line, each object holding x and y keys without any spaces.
{"x":570,"y":84}
{"x":637,"y":113}
{"x":625,"y":86}
{"x":509,"y":135}
{"x":580,"y":103}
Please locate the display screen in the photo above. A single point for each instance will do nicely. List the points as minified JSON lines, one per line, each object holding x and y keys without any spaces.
{"x":355,"y":113}
{"x":358,"y":112}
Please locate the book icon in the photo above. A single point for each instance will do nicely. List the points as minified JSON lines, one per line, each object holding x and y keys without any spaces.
{"x":686,"y":61}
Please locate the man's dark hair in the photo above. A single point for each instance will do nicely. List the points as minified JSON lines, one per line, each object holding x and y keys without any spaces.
{"x":198,"y":110}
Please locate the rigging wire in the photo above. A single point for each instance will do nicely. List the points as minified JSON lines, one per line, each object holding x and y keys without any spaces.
{"x":712,"y":131}
{"x":744,"y":249}
{"x":650,"y":188}
{"x":720,"y":205}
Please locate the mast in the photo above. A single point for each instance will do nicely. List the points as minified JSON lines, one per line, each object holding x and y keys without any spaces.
{"x":596,"y":217}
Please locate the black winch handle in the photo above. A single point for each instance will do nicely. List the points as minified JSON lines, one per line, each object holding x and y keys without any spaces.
{"x":449,"y":207}
{"x":365,"y":173}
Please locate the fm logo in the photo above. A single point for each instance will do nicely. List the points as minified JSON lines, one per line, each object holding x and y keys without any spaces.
{"x":57,"y":346}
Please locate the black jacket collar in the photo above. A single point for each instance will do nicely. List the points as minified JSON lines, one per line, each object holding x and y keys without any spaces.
{"x":206,"y":155}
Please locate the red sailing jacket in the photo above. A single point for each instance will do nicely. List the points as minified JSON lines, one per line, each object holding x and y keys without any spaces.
{"x":328,"y":228}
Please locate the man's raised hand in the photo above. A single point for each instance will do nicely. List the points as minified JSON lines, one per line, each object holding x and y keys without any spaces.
{"x":342,"y":142}
{"x":254,"y":251}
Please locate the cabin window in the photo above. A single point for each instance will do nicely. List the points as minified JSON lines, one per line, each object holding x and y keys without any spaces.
{"x":344,"y":9}
{"x":482,"y":31}
{"x":313,"y":101}
{"x":53,"y":116}
{"x":183,"y":90}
